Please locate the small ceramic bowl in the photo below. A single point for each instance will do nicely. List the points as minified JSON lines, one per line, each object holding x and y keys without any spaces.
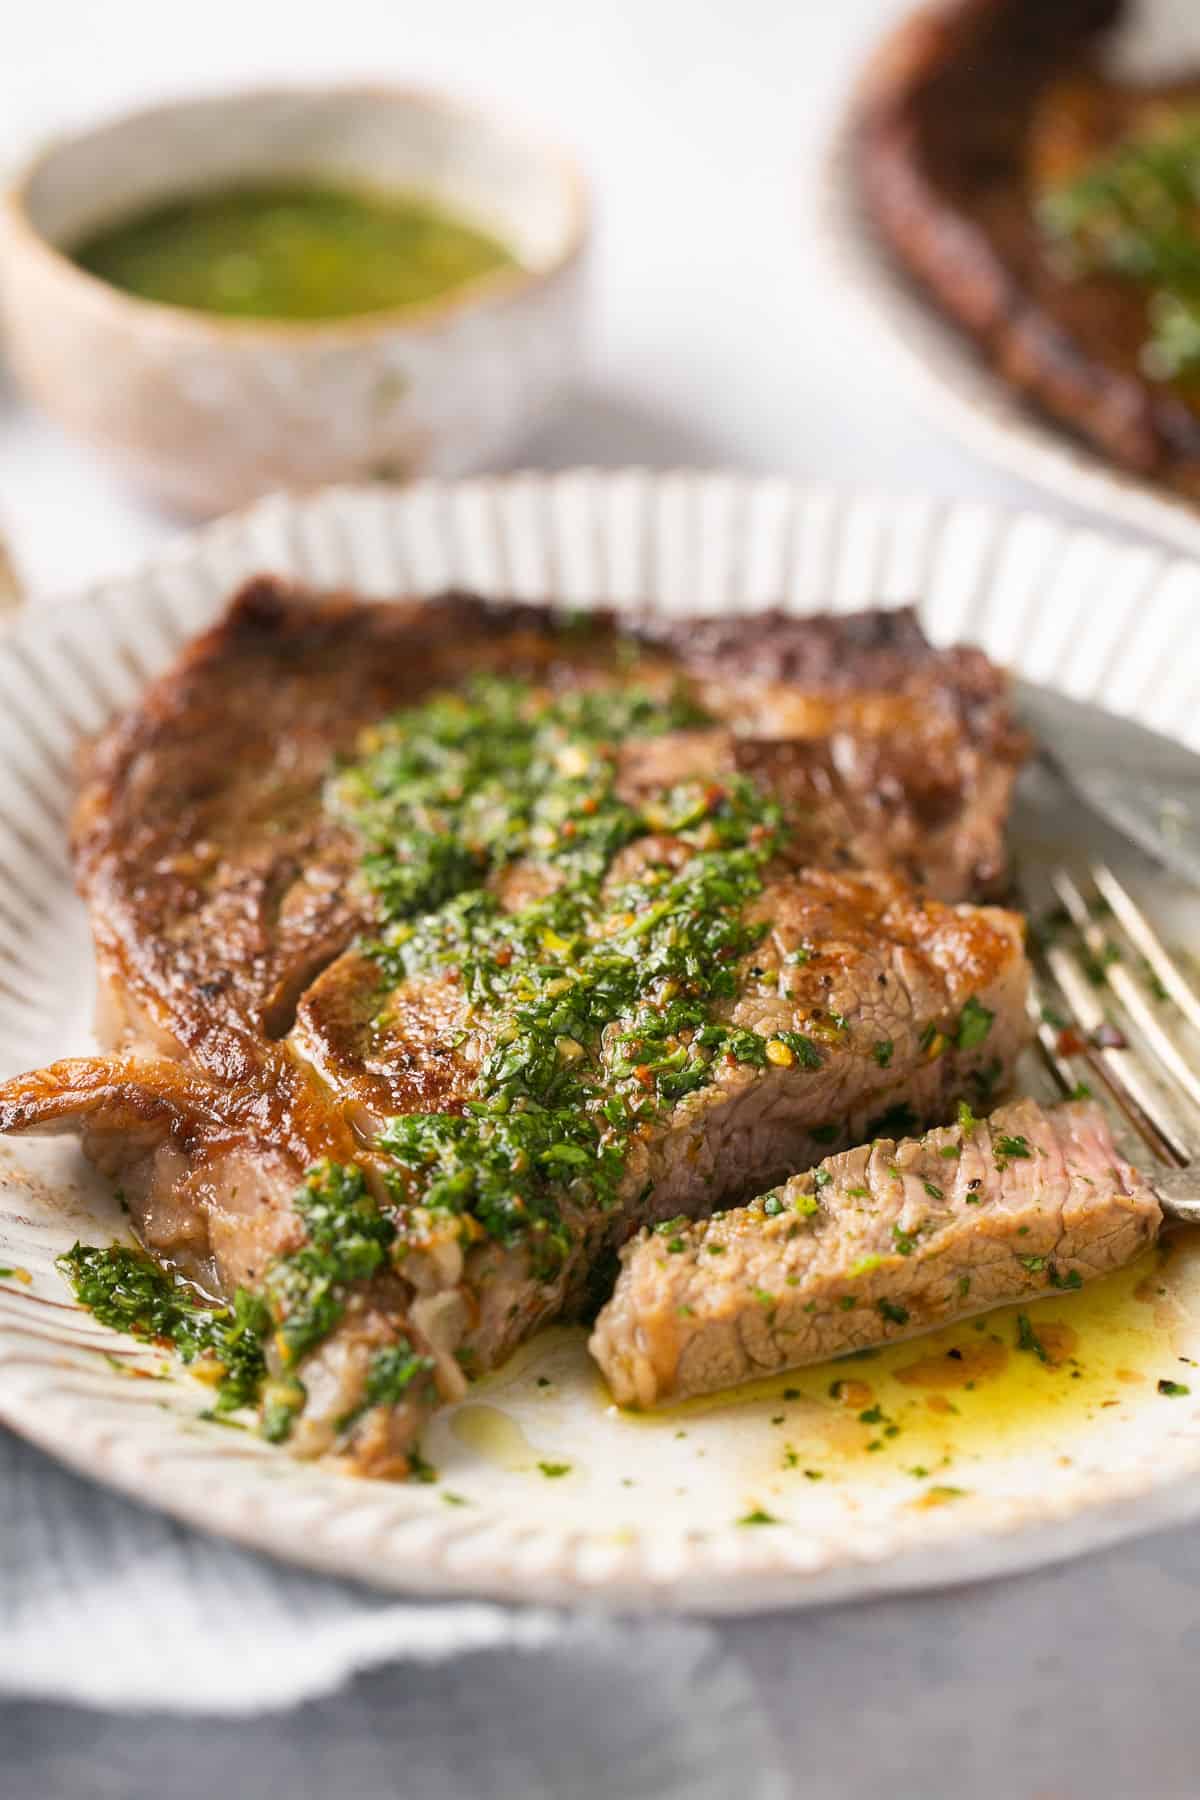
{"x":207,"y":412}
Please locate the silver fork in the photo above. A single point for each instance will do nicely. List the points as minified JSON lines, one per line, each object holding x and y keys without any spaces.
{"x":1124,"y":1047}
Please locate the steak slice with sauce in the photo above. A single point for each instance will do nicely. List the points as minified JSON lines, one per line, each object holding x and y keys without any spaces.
{"x":879,"y":1243}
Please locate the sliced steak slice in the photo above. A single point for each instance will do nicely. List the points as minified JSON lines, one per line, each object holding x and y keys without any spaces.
{"x":879,"y":1243}
{"x":219,"y":884}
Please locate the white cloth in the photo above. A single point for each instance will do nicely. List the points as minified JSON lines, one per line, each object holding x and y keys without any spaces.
{"x":198,"y":1669}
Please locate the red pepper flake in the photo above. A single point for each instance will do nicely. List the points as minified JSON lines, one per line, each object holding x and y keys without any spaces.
{"x":567,"y":829}
{"x":644,"y":1075}
{"x":1070,"y":1043}
{"x":504,"y":956}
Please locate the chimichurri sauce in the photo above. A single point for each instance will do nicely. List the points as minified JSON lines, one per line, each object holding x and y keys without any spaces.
{"x":292,"y":251}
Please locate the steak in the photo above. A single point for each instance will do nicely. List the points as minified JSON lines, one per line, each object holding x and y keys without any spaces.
{"x":970,"y":108}
{"x":878,"y":1243}
{"x":444,"y":948}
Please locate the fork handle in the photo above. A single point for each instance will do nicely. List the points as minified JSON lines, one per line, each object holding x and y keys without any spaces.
{"x":1178,"y":1192}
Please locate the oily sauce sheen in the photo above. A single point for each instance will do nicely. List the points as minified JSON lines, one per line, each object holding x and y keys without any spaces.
{"x":292,"y":251}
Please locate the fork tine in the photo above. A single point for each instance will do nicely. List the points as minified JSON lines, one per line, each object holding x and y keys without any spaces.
{"x":1112,"y":1068}
{"x":1047,"y":1037}
{"x":1143,"y":936}
{"x":1126,"y":988}
{"x":1122,"y":1069}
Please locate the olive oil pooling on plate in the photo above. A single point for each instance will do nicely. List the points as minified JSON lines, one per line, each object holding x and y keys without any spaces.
{"x":292,"y":250}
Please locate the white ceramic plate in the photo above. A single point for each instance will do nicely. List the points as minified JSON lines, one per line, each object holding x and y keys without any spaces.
{"x":1041,"y":1463}
{"x":944,"y":373}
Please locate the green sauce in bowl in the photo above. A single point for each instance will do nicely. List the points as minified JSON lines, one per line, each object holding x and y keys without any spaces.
{"x":292,"y":250}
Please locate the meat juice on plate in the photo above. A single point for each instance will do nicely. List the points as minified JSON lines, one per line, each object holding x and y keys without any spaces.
{"x":923,"y":1413}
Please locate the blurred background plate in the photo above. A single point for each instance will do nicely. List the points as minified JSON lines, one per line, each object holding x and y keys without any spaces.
{"x":949,"y":381}
{"x":544,"y":1490}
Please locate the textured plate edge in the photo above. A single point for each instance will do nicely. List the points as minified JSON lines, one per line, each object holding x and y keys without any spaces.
{"x":985,"y":1554}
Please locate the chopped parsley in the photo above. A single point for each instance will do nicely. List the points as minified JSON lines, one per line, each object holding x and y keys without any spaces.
{"x":125,"y":1290}
{"x":1131,"y":212}
{"x":974,"y":1023}
{"x":1028,"y":1339}
{"x":1010,"y":1147}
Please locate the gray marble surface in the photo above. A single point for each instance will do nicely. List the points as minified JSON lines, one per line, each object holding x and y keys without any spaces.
{"x":1071,"y":1684}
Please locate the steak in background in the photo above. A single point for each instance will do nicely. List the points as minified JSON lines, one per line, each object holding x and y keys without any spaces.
{"x":952,"y":120}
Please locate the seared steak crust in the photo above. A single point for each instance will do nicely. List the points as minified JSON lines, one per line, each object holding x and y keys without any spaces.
{"x":879,"y":1243}
{"x":943,"y":150}
{"x":219,"y":886}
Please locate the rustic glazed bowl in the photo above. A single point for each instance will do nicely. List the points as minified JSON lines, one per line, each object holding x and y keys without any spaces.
{"x":207,"y":412}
